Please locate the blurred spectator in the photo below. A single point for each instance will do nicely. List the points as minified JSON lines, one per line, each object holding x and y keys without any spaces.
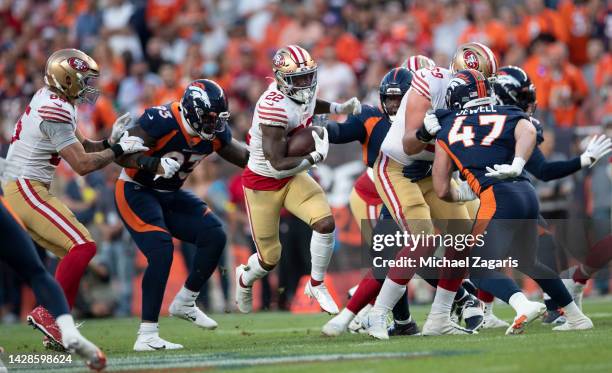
{"x":446,"y":34}
{"x":537,"y":20}
{"x":336,"y":79}
{"x":133,"y":93}
{"x":115,"y":21}
{"x":484,"y":28}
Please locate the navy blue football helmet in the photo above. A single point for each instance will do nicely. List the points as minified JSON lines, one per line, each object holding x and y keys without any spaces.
{"x":394,"y":85}
{"x":512,"y":86}
{"x":204,"y":107}
{"x":468,"y":88}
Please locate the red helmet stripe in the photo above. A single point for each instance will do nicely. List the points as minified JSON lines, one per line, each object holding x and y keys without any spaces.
{"x":294,"y":54}
{"x":302,"y":52}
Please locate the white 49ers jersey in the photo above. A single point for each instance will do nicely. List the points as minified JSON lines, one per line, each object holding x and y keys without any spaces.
{"x":275,"y":109}
{"x":31,"y":154}
{"x":430,"y":83}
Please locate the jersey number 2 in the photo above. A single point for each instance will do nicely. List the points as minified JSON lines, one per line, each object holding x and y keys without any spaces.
{"x":466,"y":134}
{"x":19,"y":125}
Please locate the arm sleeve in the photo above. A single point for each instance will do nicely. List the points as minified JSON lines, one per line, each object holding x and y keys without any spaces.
{"x":60,"y":134}
{"x":544,"y":170}
{"x":349,"y":131}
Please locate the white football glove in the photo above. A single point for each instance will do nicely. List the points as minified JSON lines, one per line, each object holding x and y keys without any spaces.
{"x":321,"y":146}
{"x":507,"y":171}
{"x":3,"y":165}
{"x":599,"y":146}
{"x":119,"y":128}
{"x":351,"y":106}
{"x":432,"y":126}
{"x":131,"y":144}
{"x":170,"y":167}
{"x":464,"y":193}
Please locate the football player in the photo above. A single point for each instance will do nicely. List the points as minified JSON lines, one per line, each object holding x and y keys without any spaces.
{"x":413,"y":205}
{"x":155,"y":209}
{"x":513,"y":87}
{"x":45,"y":134}
{"x":490,"y":145}
{"x":273,"y":180}
{"x":27,"y":264}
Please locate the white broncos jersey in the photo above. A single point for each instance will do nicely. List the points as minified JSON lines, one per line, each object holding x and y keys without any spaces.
{"x":430,"y":83}
{"x":31,"y":154}
{"x":274,"y":108}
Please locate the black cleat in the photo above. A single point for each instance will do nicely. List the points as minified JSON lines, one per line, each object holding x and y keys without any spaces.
{"x":556,"y":317}
{"x":397,"y":330}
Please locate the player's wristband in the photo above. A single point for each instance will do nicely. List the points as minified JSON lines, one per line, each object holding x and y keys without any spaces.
{"x":117,"y":150}
{"x":334,"y":108}
{"x":423,"y":136}
{"x":150,"y":164}
{"x":106,"y":144}
{"x":316,"y":157}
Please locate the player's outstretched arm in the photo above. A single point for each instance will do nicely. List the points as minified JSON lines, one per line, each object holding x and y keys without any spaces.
{"x":415,"y":137}
{"x":142,"y":161}
{"x":350,"y":130}
{"x":441,"y":174}
{"x":118,"y":128}
{"x":236,"y":153}
{"x":525,"y":136}
{"x":350,"y":106}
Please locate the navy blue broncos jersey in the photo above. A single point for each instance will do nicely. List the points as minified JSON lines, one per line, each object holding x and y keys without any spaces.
{"x":163,"y":123}
{"x":479,"y":137}
{"x":369,"y":128}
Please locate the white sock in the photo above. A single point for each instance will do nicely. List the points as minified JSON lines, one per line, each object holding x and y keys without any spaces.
{"x":187,"y":296}
{"x":572,"y":312}
{"x":403,"y":322}
{"x":254,"y":271}
{"x":148,"y":328}
{"x":488,"y":308}
{"x":345,"y":316}
{"x":321,"y":248}
{"x":389,"y":295}
{"x":66,"y":325}
{"x":443,"y":302}
{"x":518,"y":301}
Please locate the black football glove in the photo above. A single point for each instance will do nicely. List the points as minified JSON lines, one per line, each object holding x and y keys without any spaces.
{"x":418,"y":170}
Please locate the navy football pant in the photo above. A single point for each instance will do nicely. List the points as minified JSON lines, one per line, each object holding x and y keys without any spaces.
{"x":17,"y":250}
{"x":153,"y":218}
{"x":509,"y":212}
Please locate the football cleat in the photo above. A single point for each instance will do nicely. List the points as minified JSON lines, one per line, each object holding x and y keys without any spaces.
{"x":321,"y":294}
{"x":534,"y":310}
{"x":152,"y":342}
{"x":42,"y":320}
{"x":376,"y":324}
{"x":575,"y":289}
{"x":398,"y":330}
{"x":356,"y":325}
{"x":244,"y":295}
{"x":441,"y":324}
{"x":333,"y":327}
{"x":491,"y":321}
{"x":581,"y":323}
{"x":555,"y":317}
{"x":472,"y":313}
{"x":190,"y":312}
{"x":93,"y":356}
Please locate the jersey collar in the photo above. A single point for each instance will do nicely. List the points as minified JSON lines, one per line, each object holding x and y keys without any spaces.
{"x":191,"y":138}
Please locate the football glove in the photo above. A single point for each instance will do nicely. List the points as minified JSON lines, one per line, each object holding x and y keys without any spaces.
{"x":463,"y":192}
{"x":119,"y":128}
{"x":351,"y":106}
{"x":170,"y":167}
{"x":506,"y":171}
{"x":131,"y":144}
{"x":321,"y":146}
{"x":599,"y":146}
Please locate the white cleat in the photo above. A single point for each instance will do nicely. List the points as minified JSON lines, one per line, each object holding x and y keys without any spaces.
{"x":356,"y":325}
{"x":244,"y":295}
{"x":533,"y":311}
{"x":190,"y":312}
{"x":93,"y":356}
{"x":334,"y":328}
{"x":582,"y":323}
{"x":441,"y":324}
{"x":376,"y":324}
{"x":321,"y":294}
{"x":152,"y":342}
{"x":575,"y":289}
{"x":491,"y":322}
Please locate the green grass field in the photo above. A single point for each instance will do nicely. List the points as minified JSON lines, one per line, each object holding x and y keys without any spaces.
{"x":265,"y":342}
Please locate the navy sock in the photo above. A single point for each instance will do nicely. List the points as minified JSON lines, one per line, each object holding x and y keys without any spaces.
{"x":497,"y":284}
{"x":401,"y":311}
{"x":550,"y":282}
{"x":155,"y":278}
{"x":210,"y":244}
{"x":551,"y":305}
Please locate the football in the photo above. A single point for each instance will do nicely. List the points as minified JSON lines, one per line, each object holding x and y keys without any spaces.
{"x":301,"y":142}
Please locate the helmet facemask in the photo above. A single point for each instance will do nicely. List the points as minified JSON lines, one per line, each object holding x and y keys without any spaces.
{"x":89,"y":91}
{"x":300,"y":85}
{"x":390,"y":101}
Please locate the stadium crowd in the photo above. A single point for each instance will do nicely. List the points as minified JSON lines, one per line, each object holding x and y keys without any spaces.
{"x":149,"y":50}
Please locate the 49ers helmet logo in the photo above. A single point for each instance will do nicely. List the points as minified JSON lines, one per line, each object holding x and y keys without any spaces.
{"x":278,"y":60}
{"x":471,"y":60}
{"x":78,"y":64}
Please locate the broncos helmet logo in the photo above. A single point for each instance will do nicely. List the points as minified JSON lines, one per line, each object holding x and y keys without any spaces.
{"x":197,"y":92}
